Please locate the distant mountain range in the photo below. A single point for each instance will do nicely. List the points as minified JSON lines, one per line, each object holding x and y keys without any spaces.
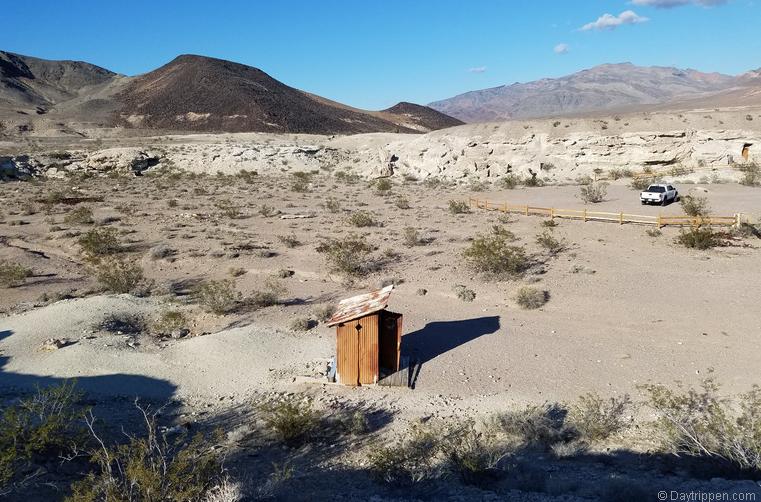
{"x":607,"y":87}
{"x":191,"y":93}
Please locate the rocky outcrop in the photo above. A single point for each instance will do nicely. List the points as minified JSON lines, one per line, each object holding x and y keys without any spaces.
{"x":486,"y":155}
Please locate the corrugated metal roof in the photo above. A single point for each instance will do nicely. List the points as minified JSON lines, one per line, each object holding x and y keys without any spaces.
{"x":361,"y":305}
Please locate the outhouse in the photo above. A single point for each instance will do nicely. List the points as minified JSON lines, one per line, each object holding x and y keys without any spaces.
{"x":368,"y":338}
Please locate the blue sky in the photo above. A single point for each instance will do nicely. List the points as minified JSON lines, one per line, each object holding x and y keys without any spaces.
{"x":372,"y":53}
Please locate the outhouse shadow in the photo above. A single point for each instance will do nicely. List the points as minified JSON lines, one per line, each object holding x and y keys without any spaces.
{"x":437,"y":338}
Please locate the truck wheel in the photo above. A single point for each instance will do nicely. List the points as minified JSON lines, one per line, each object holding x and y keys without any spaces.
{"x":665,"y":201}
{"x":643,"y":202}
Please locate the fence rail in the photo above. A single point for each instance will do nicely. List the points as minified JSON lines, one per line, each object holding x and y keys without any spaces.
{"x":620,"y":217}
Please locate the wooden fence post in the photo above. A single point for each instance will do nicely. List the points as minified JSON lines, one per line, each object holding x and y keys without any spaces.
{"x":585,"y":215}
{"x":621,"y":218}
{"x":660,"y":223}
{"x":526,"y":209}
{"x":504,"y":207}
{"x":552,"y":213}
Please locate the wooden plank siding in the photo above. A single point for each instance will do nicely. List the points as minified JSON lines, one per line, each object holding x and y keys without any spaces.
{"x":357,"y":351}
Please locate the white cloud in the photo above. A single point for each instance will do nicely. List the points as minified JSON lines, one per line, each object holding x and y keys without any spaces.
{"x":477,"y":69}
{"x":609,"y":21}
{"x":561,"y":49}
{"x":669,"y":4}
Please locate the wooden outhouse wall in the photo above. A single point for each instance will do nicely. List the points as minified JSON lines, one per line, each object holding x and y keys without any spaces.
{"x":357,"y":351}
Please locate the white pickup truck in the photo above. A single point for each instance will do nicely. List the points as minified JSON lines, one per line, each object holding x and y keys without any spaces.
{"x":659,"y":194}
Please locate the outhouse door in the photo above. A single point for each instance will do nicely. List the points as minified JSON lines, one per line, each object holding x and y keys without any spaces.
{"x":390,"y":340}
{"x":358,"y":351}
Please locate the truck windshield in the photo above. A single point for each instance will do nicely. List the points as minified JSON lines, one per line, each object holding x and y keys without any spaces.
{"x":656,"y":189}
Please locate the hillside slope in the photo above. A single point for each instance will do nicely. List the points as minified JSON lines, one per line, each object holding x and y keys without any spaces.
{"x":602,"y":88}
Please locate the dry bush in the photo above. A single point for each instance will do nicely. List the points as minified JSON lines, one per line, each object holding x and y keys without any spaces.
{"x":383,"y":185}
{"x":593,"y":193}
{"x":494,"y":256}
{"x":120,"y":276}
{"x":695,"y":205}
{"x":100,"y":242}
{"x":596,"y":419}
{"x":410,"y":460}
{"x":412,"y":237}
{"x":474,"y":454}
{"x":161,"y":251}
{"x":218,"y":297}
{"x":267,"y":296}
{"x":351,"y":256}
{"x":751,"y":175}
{"x":616,"y":174}
{"x":402,"y":203}
{"x":332,"y":204}
{"x":653,"y":232}
{"x":168,"y":322}
{"x":39,"y":429}
{"x":463,"y":293}
{"x":292,"y":418}
{"x":641,"y":183}
{"x":301,"y":324}
{"x":150,"y":467}
{"x":531,"y":298}
{"x":13,"y":274}
{"x":700,"y":423}
{"x":548,"y":241}
{"x":79,"y":216}
{"x":699,"y":238}
{"x":325,"y":312}
{"x":459,"y":207}
{"x":509,"y":181}
{"x":289,"y":241}
{"x":362,"y":219}
{"x":536,"y":426}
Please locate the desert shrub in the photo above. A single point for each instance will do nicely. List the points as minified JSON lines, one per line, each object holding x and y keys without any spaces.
{"x":161,"y":251}
{"x":641,"y":183}
{"x":402,"y":202}
{"x":325,"y":312}
{"x":301,"y":181}
{"x":169,"y":321}
{"x":616,"y":174}
{"x":532,"y":181}
{"x":596,"y":419}
{"x":362,"y":219}
{"x":292,"y":419}
{"x":477,"y":186}
{"x":530,"y":298}
{"x":536,"y":426}
{"x":13,"y":274}
{"x":80,"y":216}
{"x":351,"y":255}
{"x":38,"y":429}
{"x":751,"y":175}
{"x":412,"y":237}
{"x":549,"y":223}
{"x":509,"y":181}
{"x":594,"y":192}
{"x":458,"y":207}
{"x":289,"y":241}
{"x":236,"y":271}
{"x":410,"y":460}
{"x":493,"y":255}
{"x":653,"y":232}
{"x":268,"y":211}
{"x":699,"y":238}
{"x":548,"y":241}
{"x":268,"y":295}
{"x":463,"y":293}
{"x":698,"y":422}
{"x":119,"y":276}
{"x":100,"y":242}
{"x":218,"y":297}
{"x":474,"y":454}
{"x":150,"y":467}
{"x":332,"y":204}
{"x":301,"y":324}
{"x":383,"y":185}
{"x":695,"y":205}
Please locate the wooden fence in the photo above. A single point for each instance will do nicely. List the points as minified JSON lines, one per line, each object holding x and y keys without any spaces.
{"x":620,"y":217}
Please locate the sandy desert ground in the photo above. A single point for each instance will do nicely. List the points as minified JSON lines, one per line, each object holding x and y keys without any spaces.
{"x":625,"y":307}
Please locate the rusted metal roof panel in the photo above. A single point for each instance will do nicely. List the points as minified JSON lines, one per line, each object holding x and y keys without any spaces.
{"x":361,"y":305}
